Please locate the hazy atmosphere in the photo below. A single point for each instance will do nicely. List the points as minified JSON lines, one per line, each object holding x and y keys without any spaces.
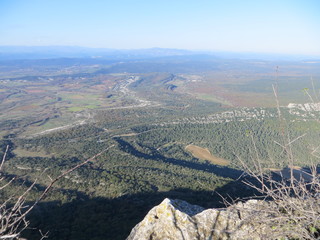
{"x":158,"y":119}
{"x":288,"y":26}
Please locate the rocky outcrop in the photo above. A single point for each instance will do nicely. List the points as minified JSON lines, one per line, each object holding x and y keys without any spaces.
{"x":177,"y":219}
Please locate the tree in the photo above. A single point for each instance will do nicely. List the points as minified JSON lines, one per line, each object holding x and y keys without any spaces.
{"x":13,"y":210}
{"x":293,"y":194}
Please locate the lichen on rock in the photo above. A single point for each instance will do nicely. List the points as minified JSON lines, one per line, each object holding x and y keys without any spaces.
{"x":177,"y":219}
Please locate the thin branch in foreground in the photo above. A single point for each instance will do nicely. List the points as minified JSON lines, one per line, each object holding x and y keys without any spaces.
{"x":4,"y":157}
{"x":13,"y":219}
{"x":45,"y":192}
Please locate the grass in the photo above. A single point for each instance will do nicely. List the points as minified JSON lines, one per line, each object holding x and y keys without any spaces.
{"x":25,"y":153}
{"x":78,"y":109}
{"x":204,"y":154}
{"x":209,"y":97}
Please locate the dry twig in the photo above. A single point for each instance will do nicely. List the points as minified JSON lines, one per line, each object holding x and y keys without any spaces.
{"x":13,"y":216}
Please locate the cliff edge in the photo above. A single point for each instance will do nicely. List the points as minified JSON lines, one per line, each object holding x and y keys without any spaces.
{"x":177,"y":219}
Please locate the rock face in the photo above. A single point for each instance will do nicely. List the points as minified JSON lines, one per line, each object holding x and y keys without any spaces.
{"x":177,"y":219}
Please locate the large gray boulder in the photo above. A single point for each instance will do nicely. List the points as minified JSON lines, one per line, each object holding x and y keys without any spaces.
{"x":177,"y":219}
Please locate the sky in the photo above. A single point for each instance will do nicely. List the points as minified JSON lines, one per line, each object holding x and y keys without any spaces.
{"x":265,"y":26}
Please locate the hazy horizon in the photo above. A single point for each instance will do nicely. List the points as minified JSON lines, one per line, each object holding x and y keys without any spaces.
{"x":11,"y":52}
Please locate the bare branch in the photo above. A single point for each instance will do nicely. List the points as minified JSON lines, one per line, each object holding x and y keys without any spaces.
{"x":13,"y":219}
{"x":4,"y":157}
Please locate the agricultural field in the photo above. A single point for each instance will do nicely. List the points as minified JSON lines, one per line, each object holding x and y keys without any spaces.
{"x":167,"y":127}
{"x":204,"y":154}
{"x":74,"y":95}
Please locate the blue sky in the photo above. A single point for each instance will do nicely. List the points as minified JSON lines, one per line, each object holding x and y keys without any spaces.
{"x":275,"y":26}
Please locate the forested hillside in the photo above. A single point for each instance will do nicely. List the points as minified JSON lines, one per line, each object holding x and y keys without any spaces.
{"x":145,"y":116}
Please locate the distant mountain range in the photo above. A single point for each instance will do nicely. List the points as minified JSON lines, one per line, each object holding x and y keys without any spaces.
{"x":50,"y":52}
{"x":38,"y":52}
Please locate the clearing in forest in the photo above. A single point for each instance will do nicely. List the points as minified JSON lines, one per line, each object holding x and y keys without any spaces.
{"x":204,"y":154}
